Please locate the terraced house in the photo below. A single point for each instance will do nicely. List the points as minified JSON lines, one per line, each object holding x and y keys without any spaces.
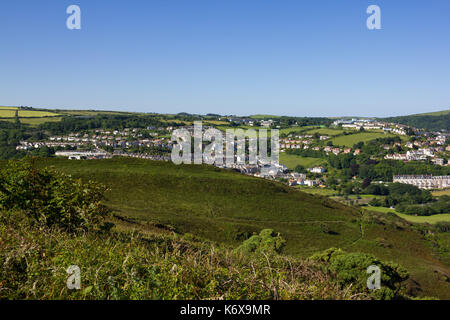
{"x":424,"y":181}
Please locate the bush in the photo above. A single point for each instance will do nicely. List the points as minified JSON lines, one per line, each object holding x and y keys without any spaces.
{"x":267,"y":241}
{"x":442,"y":227}
{"x":51,"y":198}
{"x":350,"y":269}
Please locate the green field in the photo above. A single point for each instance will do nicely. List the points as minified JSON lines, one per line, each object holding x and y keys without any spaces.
{"x":296,"y":129}
{"x":439,"y":193}
{"x":291,"y":161}
{"x":10,"y":112}
{"x":317,"y":191}
{"x":351,"y":140}
{"x":227,"y":207}
{"x":414,"y":219}
{"x":326,"y":132}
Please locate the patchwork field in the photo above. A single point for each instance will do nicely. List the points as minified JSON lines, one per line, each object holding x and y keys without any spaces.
{"x":10,"y":112}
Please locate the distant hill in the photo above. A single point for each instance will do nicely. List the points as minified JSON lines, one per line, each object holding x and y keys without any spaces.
{"x":437,"y":121}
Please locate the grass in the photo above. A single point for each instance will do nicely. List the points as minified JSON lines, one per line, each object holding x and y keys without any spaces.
{"x":414,"y":219}
{"x":351,"y":140}
{"x":291,"y":161}
{"x":296,"y":130}
{"x":131,"y":266}
{"x":439,"y":193}
{"x":226,"y":208}
{"x":215,"y":204}
{"x":317,"y":191}
{"x":9,"y":112}
{"x":326,"y":132}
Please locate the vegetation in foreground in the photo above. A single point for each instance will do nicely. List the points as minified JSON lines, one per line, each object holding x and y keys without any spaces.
{"x":37,"y":248}
{"x":35,"y":253}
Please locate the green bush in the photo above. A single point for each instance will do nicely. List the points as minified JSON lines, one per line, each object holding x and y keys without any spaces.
{"x":51,"y":198}
{"x":351,"y":269}
{"x":267,"y":241}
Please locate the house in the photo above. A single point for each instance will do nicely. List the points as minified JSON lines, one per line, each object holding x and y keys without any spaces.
{"x":317,"y":169}
{"x":423,"y":181}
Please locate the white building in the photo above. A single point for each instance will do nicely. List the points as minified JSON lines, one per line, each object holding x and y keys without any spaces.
{"x":424,"y":181}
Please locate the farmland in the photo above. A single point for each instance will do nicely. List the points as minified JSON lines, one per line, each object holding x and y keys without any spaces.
{"x":291,"y":161}
{"x":9,"y":112}
{"x":352,"y":139}
{"x":326,"y":132}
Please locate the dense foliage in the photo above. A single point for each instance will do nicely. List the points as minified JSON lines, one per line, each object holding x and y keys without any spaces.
{"x":442,"y":205}
{"x":51,"y":198}
{"x":266,"y":242}
{"x":351,"y":268}
{"x":431,"y":122}
{"x":33,"y":265}
{"x":76,"y":124}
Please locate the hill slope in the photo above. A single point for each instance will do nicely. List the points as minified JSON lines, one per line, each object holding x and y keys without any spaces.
{"x":227,"y":207}
{"x":431,"y":121}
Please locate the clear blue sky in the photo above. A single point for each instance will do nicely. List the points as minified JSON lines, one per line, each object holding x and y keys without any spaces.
{"x":289,"y":57}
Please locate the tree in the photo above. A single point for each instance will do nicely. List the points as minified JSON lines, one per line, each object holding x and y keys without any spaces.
{"x":51,"y":198}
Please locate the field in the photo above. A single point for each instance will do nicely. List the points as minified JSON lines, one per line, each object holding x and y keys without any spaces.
{"x":9,"y":112}
{"x":414,"y":219}
{"x":317,"y":191}
{"x":291,"y":161}
{"x":227,"y":207}
{"x":351,"y":140}
{"x":326,"y":132}
{"x":31,"y":117}
{"x":296,"y":129}
{"x":441,"y":193}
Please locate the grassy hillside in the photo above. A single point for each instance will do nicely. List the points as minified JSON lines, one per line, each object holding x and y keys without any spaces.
{"x":215,"y":204}
{"x":227,"y":207}
{"x":431,"y":121}
{"x":118,"y":265}
{"x":437,"y":113}
{"x":291,"y":161}
{"x":352,"y":139}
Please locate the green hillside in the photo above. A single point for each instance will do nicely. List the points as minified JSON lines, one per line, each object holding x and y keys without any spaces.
{"x":227,"y":208}
{"x":431,"y":121}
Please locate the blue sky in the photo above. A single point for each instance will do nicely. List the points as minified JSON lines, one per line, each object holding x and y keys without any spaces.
{"x":288,"y":57}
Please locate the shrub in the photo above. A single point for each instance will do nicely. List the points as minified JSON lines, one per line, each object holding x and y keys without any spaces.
{"x":350,"y":269}
{"x":51,"y":198}
{"x":442,"y":226}
{"x":267,"y":241}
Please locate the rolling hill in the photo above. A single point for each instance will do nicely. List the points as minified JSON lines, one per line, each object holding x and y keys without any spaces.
{"x":226,"y":208}
{"x":432,"y":121}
